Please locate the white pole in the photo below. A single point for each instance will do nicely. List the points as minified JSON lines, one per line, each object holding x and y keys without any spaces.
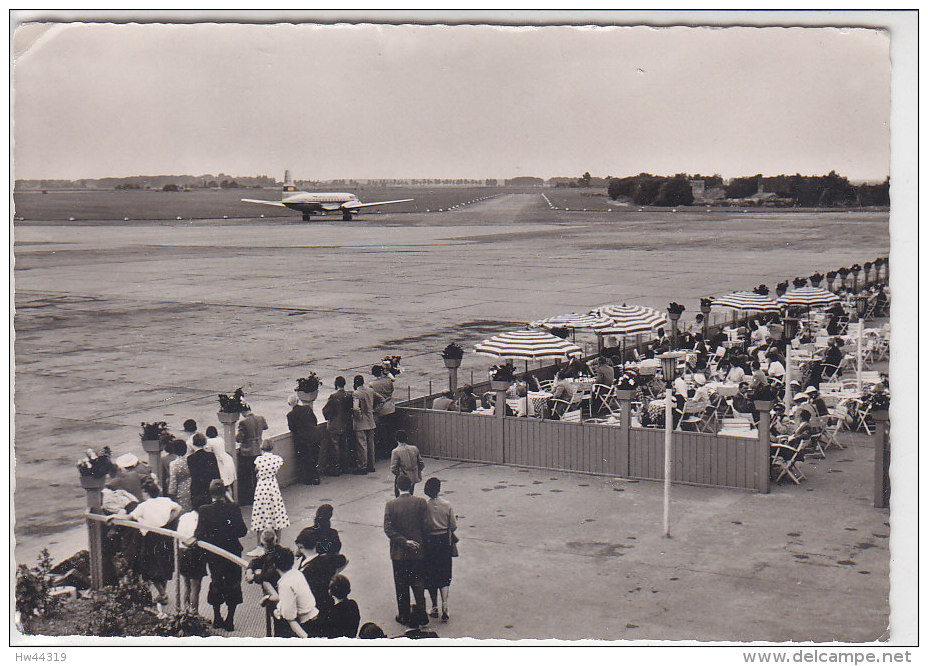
{"x":668,"y":441}
{"x":860,"y":342}
{"x":789,"y":376}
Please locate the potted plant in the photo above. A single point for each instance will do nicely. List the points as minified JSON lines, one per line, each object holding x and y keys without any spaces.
{"x":307,"y":388}
{"x":868,"y":265}
{"x":502,"y":377}
{"x":855,"y":269}
{"x":782,"y":287}
{"x":877,"y":264}
{"x":674,"y":310}
{"x":231,"y":408}
{"x":799,"y":282}
{"x":764,"y":396}
{"x":151,"y":435}
{"x":94,"y":467}
{"x":392,"y":365}
{"x":625,"y":386}
{"x":705,"y":306}
{"x":843,"y":272}
{"x":816,"y":279}
{"x":830,"y":276}
{"x":762,"y":290}
{"x":452,"y":355}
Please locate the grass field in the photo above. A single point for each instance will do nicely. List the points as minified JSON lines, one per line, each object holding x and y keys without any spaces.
{"x":102,"y":205}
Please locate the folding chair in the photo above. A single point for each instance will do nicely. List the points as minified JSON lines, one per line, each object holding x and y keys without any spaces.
{"x":784,"y":460}
{"x":832,"y":425}
{"x":693,"y":416}
{"x":861,"y":414}
{"x":574,"y":416}
{"x":815,"y":446}
{"x":603,"y":396}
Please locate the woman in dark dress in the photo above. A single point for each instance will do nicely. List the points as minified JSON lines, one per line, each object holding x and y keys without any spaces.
{"x":342,"y":619}
{"x":437,"y":553}
{"x":220,"y":523}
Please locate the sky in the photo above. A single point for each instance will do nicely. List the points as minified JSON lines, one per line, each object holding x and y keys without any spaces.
{"x":414,"y":101}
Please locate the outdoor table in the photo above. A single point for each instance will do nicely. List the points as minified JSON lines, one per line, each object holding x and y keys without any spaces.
{"x":726,"y":390}
{"x":538,"y":398}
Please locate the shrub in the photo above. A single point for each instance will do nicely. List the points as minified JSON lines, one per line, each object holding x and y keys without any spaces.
{"x":33,"y":587}
{"x":181,"y":625}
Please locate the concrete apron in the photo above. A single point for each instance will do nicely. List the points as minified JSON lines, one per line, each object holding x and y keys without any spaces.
{"x":570,"y":556}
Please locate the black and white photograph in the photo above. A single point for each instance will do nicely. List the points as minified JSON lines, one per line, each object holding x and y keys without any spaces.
{"x":428,"y":328}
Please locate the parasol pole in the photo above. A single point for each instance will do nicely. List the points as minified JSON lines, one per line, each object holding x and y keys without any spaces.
{"x":860,"y":341}
{"x":789,"y":376}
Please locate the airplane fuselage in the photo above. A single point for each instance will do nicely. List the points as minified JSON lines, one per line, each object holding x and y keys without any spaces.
{"x":319,"y":202}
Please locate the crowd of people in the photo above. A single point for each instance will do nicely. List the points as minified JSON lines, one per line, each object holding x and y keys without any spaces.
{"x":304,"y":592}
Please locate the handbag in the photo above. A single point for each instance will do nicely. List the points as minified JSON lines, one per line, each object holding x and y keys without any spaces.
{"x":453,"y":538}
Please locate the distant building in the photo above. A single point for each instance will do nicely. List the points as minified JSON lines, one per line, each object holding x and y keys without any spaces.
{"x":699,"y":189}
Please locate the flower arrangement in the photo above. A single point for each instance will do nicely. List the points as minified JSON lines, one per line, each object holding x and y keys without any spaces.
{"x":799,"y":282}
{"x":391,"y":364}
{"x":152,"y":431}
{"x":816,"y":278}
{"x":762,"y":290}
{"x":831,"y":275}
{"x":675,"y":309}
{"x":856,"y":268}
{"x":879,"y":261}
{"x":96,"y":465}
{"x":627,"y":382}
{"x":782,"y":287}
{"x":503,"y":373}
{"x":308,"y":384}
{"x":843,"y":271}
{"x":453,"y":351}
{"x":868,"y":265}
{"x":705,"y":304}
{"x":233,"y":405}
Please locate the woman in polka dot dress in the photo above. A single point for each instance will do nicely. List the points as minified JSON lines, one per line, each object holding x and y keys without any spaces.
{"x":268,"y":511}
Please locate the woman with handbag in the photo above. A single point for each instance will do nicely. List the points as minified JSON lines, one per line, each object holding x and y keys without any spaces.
{"x":440,"y":546}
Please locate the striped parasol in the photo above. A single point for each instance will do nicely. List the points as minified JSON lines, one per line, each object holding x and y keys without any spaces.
{"x":573,"y":320}
{"x":527,"y":345}
{"x":808,"y":297}
{"x":630,"y":319}
{"x":746,"y":301}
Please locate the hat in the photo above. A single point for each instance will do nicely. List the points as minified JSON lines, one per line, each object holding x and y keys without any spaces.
{"x":700,"y":379}
{"x":801,"y":396}
{"x":811,"y":390}
{"x":127,"y":460}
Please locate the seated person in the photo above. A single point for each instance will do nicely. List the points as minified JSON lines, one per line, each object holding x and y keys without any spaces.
{"x":605,"y":371}
{"x":833,"y":356}
{"x":775,"y":368}
{"x":342,"y":619}
{"x":803,"y":432}
{"x":735,"y":373}
{"x":468,"y":401}
{"x":445,"y":402}
{"x":758,"y":378}
{"x":801,"y":404}
{"x":815,"y":399}
{"x":701,"y":393}
{"x":780,"y":423}
{"x":742,"y":403}
{"x":562,"y":391}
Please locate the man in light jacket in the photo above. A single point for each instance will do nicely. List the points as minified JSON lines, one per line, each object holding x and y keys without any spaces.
{"x":250,"y":438}
{"x":405,"y":461}
{"x":362,"y":418}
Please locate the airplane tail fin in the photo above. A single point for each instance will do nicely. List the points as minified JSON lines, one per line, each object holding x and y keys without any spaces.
{"x":288,"y":184}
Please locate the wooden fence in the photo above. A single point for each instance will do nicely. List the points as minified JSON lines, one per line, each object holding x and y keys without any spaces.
{"x":698,"y":458}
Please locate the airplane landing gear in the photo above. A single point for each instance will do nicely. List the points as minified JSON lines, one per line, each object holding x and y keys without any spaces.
{"x":346,"y":216}
{"x":307,"y":217}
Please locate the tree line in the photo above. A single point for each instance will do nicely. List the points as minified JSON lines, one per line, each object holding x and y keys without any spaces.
{"x":796,"y":190}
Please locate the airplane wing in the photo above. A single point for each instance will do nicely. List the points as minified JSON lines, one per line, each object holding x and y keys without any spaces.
{"x":266,"y":203}
{"x":374,"y":203}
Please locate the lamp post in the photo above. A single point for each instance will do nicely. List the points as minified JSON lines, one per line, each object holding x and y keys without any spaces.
{"x":674,"y":310}
{"x":669,"y":370}
{"x":855,"y":269}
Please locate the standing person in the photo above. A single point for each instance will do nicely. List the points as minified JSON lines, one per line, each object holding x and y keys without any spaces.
{"x":337,"y":414}
{"x":203,"y":469}
{"x":249,"y":437}
{"x":220,"y":523}
{"x":128,"y":473}
{"x":405,"y":519}
{"x":405,"y":462}
{"x":319,"y":568}
{"x":468,"y":401}
{"x":269,"y":512}
{"x":156,"y":556}
{"x":301,"y":420}
{"x":217,"y":446}
{"x":439,"y":541}
{"x":191,"y":562}
{"x":363,"y":422}
{"x":190,"y":429}
{"x":384,"y":411}
{"x":179,"y":476}
{"x":295,"y":606}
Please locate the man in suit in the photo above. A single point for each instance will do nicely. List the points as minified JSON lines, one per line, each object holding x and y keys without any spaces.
{"x":220,"y":523}
{"x":405,"y":520}
{"x":337,"y":414}
{"x":249,"y":437}
{"x":362,"y":418}
{"x":405,"y":462}
{"x":203,"y":468}
{"x":301,"y":419}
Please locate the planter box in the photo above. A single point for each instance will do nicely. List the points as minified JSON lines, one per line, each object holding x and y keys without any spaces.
{"x":227,"y":417}
{"x":763,"y":405}
{"x":307,"y":396}
{"x":499,"y":384}
{"x":452,"y":362}
{"x":624,"y":394}
{"x":93,"y":482}
{"x":151,"y":445}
